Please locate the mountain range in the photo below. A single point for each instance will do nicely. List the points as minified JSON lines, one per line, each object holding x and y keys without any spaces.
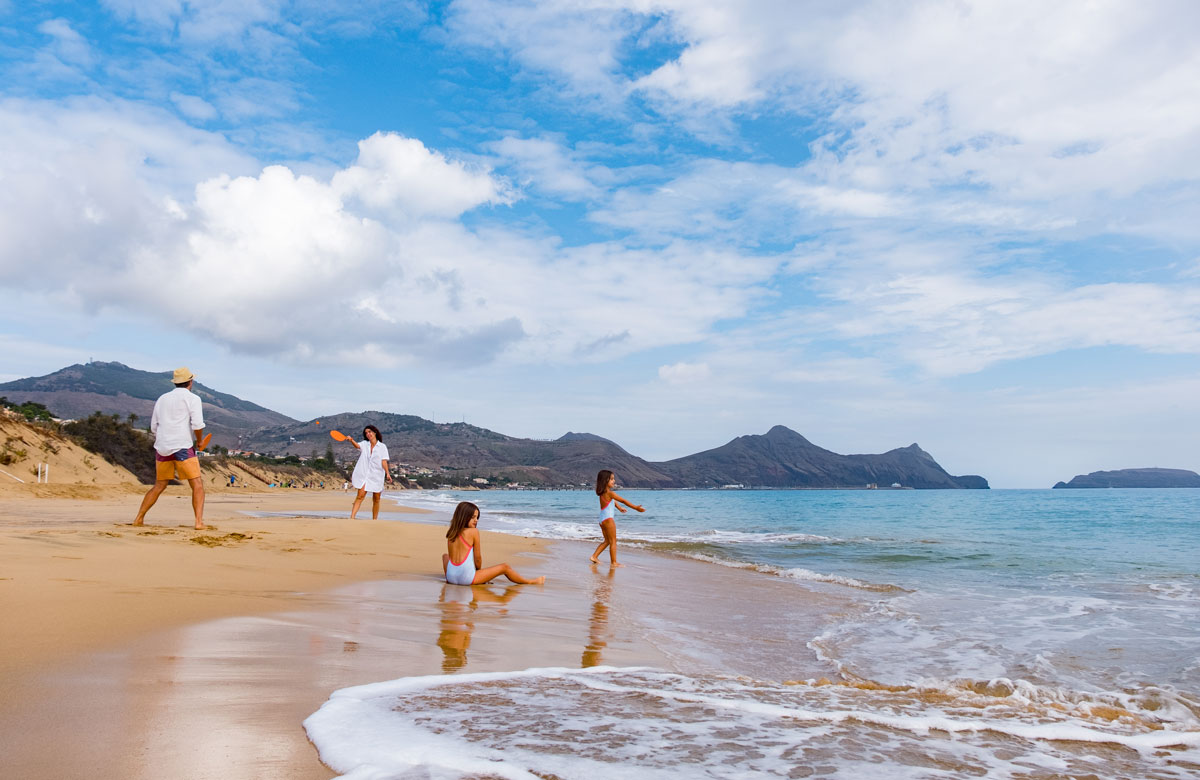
{"x":780,"y":458}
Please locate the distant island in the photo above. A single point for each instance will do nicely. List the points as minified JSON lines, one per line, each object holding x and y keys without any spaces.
{"x":1135,"y":478}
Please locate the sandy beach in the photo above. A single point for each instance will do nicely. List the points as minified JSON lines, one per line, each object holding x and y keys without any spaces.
{"x":103,"y":620}
{"x":167,"y":652}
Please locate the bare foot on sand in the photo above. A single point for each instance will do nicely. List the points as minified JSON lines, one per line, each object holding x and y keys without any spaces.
{"x":593,"y":560}
{"x":539,"y":581}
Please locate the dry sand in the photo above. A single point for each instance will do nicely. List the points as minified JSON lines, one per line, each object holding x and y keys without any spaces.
{"x":96,"y":613}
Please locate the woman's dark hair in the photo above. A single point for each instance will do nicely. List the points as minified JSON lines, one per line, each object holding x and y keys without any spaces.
{"x":378,"y":435}
{"x":602,"y":481}
{"x":462,"y":517}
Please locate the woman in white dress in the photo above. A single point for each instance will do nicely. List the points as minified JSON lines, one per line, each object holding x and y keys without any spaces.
{"x":371,"y":470}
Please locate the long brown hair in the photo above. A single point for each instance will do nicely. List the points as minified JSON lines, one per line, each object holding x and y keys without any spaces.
{"x":462,"y":517}
{"x":602,"y":481}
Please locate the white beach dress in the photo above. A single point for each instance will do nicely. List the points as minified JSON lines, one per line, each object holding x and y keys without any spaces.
{"x":368,"y":472}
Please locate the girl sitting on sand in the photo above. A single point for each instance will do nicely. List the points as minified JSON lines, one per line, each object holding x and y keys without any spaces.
{"x":605,"y":482}
{"x":463,"y":561}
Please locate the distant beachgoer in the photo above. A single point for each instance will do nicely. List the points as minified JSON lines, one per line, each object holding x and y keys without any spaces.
{"x":463,"y":545}
{"x":345,"y":486}
{"x":232,"y":479}
{"x":605,"y":482}
{"x":178,"y":425}
{"x":370,"y":471}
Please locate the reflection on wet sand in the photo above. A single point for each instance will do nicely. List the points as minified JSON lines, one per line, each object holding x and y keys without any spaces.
{"x":458,"y":604}
{"x":598,"y":629}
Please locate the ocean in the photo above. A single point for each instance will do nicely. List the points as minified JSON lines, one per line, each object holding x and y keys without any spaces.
{"x":892,"y":634}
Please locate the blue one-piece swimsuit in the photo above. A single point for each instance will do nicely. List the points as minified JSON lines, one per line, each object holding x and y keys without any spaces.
{"x":606,"y":512}
{"x":463,"y":572}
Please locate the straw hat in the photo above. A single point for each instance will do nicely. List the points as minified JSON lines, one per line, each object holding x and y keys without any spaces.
{"x":182,"y":375}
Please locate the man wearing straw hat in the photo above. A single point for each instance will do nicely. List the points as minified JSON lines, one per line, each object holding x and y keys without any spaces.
{"x":177,"y":424}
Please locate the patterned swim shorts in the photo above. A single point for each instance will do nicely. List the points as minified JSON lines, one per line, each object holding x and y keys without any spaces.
{"x":181,"y":464}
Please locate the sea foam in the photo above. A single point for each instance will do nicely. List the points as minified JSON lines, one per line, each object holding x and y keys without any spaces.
{"x":615,"y":723}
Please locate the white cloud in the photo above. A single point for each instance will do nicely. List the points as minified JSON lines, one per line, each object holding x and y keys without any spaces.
{"x":69,"y":46}
{"x":684,"y":373}
{"x":255,"y":98}
{"x":577,"y":41}
{"x":194,"y":107}
{"x":85,"y":182}
{"x":954,"y":323}
{"x":370,"y":261}
{"x":548,"y":166}
{"x":1082,"y":114}
{"x":200,"y":21}
{"x":394,"y":172}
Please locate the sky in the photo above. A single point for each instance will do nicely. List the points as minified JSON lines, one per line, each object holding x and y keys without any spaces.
{"x":970,"y":225}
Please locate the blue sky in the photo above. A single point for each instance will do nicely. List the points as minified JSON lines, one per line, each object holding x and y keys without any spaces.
{"x":965,"y":224}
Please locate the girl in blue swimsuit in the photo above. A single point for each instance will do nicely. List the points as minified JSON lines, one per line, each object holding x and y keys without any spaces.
{"x":605,"y":482}
{"x":463,"y":561}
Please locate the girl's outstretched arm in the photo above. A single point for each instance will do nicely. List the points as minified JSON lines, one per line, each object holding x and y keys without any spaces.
{"x":626,"y":503}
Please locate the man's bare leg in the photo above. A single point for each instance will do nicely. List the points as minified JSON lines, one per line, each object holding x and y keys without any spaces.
{"x":198,"y":501}
{"x":151,"y":496}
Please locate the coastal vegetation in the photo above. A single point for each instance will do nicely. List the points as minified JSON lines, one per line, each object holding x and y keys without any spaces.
{"x":117,"y":441}
{"x":31,"y":411}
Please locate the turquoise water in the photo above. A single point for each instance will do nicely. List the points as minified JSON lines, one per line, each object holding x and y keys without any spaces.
{"x":1003,"y":633}
{"x":910,"y":538}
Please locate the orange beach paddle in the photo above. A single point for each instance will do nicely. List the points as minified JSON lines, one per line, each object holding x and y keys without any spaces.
{"x":203,"y":445}
{"x":338,"y":435}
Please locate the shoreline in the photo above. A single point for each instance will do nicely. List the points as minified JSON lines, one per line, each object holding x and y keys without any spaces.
{"x":162,"y":656}
{"x":112,"y":617}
